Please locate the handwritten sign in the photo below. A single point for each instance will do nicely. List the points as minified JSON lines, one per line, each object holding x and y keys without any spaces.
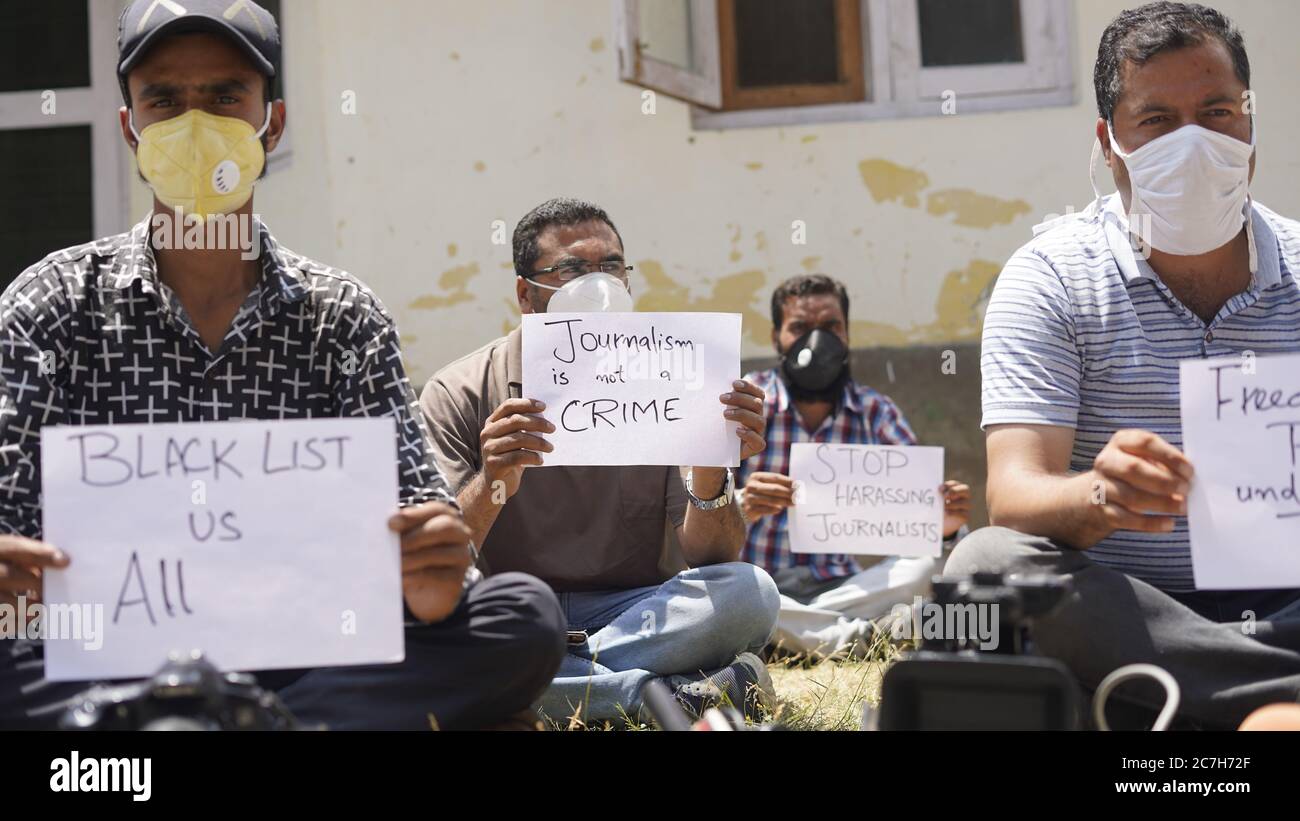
{"x":263,"y":544}
{"x":877,"y":500}
{"x":1241,"y":431}
{"x":634,"y":388}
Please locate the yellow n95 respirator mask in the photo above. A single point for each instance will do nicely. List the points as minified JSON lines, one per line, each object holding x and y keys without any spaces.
{"x":201,"y":163}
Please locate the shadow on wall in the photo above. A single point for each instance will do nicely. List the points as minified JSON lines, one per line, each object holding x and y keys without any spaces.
{"x":942,"y":408}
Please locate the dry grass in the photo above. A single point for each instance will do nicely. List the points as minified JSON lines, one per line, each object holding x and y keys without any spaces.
{"x":810,"y":695}
{"x":825,"y":696}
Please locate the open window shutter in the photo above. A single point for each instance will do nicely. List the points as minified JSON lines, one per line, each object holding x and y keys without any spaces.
{"x":671,"y":46}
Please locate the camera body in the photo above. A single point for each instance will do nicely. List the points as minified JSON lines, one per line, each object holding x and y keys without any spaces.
{"x":187,"y":693}
{"x":981,"y":679}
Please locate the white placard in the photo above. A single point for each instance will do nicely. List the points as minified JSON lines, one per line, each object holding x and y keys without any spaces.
{"x":878,"y":500}
{"x":263,"y":544}
{"x":1241,"y":431}
{"x":634,"y":388}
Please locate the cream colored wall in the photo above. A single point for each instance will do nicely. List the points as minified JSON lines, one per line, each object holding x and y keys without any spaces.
{"x":474,"y":111}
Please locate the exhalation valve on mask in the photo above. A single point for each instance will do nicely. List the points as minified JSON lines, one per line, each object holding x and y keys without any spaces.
{"x":204,"y":164}
{"x":816,"y":361}
{"x":596,"y":292}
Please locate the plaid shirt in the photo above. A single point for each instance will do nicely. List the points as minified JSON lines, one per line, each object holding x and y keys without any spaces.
{"x":863,"y":417}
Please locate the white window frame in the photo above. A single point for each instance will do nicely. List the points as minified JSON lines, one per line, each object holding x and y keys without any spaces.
{"x":702,"y":84}
{"x":1045,"y":30}
{"x":897,"y":85}
{"x":96,"y":106}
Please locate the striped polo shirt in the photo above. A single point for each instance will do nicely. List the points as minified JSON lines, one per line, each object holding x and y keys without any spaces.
{"x":1081,"y":333}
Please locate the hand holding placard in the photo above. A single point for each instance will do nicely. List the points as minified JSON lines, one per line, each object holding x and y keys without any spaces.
{"x":1241,"y":430}
{"x":263,"y":544}
{"x":879,"y":500}
{"x":634,"y":388}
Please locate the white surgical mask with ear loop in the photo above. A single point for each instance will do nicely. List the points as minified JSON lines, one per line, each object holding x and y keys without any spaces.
{"x":596,"y":292}
{"x":1189,"y":188}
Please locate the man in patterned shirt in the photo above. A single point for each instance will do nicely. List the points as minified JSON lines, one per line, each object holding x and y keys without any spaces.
{"x":828,"y":601}
{"x":141,"y":330}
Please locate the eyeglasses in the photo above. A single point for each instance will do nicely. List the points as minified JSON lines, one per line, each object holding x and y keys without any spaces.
{"x":573,"y":270}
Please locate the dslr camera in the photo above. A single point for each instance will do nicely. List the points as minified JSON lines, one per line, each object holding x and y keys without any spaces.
{"x":187,"y":693}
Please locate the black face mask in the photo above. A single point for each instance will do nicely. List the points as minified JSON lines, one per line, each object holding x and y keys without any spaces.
{"x":816,"y":367}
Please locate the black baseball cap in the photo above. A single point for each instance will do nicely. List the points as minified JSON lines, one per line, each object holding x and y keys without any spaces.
{"x":145,"y":22}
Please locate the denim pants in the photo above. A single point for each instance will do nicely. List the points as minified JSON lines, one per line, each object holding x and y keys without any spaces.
{"x":1224,"y":667}
{"x":694,"y":623}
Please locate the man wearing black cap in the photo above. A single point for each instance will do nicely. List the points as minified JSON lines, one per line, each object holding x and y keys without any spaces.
{"x":169,"y":323}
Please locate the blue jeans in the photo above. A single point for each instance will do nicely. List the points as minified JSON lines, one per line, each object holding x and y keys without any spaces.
{"x":696,"y":622}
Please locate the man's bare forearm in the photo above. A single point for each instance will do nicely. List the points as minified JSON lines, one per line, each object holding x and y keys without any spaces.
{"x":478,"y":508}
{"x":1061,"y":507}
{"x":712,"y":536}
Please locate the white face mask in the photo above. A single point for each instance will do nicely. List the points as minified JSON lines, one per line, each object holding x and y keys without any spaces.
{"x":1189,"y":189}
{"x":596,"y":292}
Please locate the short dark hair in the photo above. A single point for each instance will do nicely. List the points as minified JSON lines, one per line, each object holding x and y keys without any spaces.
{"x":806,"y":285}
{"x":561,"y":211}
{"x":1139,"y":34}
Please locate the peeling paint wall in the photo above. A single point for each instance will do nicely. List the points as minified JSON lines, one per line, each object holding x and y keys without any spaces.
{"x":473,"y":112}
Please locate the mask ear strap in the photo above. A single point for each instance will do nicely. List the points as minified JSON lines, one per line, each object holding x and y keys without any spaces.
{"x":1092,"y":167}
{"x":1250,"y":234}
{"x":130,"y":123}
{"x":265,"y":124}
{"x":537,"y":284}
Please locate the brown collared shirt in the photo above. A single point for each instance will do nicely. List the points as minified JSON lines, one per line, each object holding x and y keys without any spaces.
{"x":576,"y":528}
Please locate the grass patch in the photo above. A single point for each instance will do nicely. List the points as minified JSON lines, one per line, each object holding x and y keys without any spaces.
{"x":811,"y":694}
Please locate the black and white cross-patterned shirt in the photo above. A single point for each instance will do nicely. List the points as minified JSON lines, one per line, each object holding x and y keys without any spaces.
{"x":89,"y":335}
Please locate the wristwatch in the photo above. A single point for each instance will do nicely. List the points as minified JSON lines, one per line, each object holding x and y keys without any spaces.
{"x":721,"y":500}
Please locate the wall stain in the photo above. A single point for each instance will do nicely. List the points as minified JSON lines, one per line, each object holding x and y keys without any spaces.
{"x":810,"y":264}
{"x":958,"y":313}
{"x":962,"y":297}
{"x":597,"y":45}
{"x":754,"y":166}
{"x":866,"y":334}
{"x":734,"y":293}
{"x":512,"y":321}
{"x":975,"y":210}
{"x":454,"y":282}
{"x":735,"y":243}
{"x":890,"y":182}
{"x":958,"y":308}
